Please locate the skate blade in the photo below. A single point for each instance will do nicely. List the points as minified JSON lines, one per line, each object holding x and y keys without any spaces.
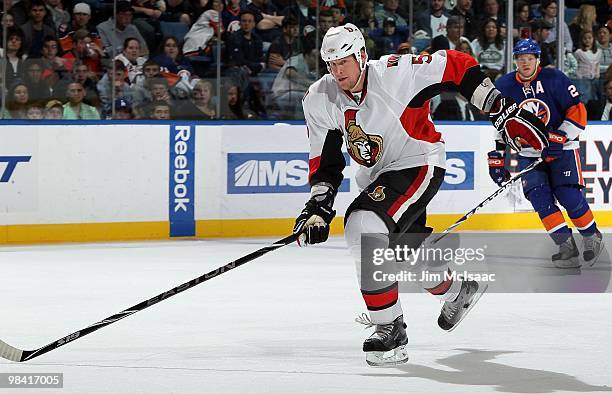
{"x":571,"y":263}
{"x":397,"y":356}
{"x":592,"y":262}
{"x":479,"y":294}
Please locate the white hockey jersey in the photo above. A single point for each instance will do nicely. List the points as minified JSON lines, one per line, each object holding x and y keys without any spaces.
{"x":389,"y":127}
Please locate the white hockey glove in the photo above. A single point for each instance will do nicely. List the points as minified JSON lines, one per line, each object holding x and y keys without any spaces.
{"x":313,"y":222}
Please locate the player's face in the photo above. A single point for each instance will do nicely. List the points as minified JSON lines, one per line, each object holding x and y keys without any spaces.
{"x":526,"y":65}
{"x":345,"y":71}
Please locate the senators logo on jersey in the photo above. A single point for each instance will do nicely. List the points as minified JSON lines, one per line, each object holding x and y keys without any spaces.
{"x":378,"y":194}
{"x":365,"y":149}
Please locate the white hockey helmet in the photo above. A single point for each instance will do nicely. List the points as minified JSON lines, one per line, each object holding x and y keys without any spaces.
{"x":343,"y":41}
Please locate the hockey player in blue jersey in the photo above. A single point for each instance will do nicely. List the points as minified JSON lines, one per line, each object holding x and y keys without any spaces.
{"x":550,"y":95}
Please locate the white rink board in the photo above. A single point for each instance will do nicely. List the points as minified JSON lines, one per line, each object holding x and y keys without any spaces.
{"x":85,"y":174}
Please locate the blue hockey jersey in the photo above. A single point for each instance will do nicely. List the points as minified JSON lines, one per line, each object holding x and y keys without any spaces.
{"x":553,"y":98}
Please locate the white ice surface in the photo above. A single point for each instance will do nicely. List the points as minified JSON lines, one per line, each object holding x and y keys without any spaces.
{"x":282,"y":323}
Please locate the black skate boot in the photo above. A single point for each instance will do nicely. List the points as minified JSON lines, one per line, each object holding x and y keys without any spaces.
{"x":386,"y":345}
{"x":592,"y":245}
{"x":567,"y":257}
{"x":454,"y":311}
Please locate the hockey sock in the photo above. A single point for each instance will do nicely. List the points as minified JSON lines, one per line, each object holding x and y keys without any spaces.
{"x":577,"y":208}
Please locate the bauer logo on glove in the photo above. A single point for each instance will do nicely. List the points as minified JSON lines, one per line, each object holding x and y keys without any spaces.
{"x":518,"y":127}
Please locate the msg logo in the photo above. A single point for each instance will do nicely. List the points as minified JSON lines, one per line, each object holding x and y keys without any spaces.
{"x":270,"y":173}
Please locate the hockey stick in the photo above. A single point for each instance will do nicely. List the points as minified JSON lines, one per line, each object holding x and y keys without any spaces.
{"x":503,"y":187}
{"x":11,"y":353}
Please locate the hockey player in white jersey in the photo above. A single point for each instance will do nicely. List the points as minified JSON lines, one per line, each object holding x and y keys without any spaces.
{"x":380,"y":109}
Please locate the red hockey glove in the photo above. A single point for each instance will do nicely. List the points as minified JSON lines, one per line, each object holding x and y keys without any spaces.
{"x":517,"y":126}
{"x":556,"y":139}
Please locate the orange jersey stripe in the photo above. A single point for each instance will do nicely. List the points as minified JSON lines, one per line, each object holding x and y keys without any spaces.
{"x":577,"y":114}
{"x":584,"y":220}
{"x":553,"y":220}
{"x":578,"y":167}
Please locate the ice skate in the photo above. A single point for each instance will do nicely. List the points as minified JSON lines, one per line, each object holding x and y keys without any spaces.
{"x":386,"y":346}
{"x":454,"y":311}
{"x":567,"y":257}
{"x":592,"y":245}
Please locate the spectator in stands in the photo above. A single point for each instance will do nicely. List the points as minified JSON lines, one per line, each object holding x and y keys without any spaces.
{"x":178,"y":11}
{"x":54,"y":110}
{"x":123,"y":110}
{"x":601,"y":109}
{"x":521,"y":20}
{"x":293,"y":80}
{"x":387,"y":39}
{"x":114,"y":33}
{"x":302,"y":12}
{"x":61,"y":17}
{"x":15,"y":55}
{"x":146,"y":18}
{"x":549,"y":9}
{"x":491,"y":9}
{"x":466,"y":48}
{"x":433,"y":20}
{"x":267,"y":20}
{"x":51,"y":60}
{"x":75,"y":108}
{"x":338,"y":15}
{"x":231,"y":15}
{"x":140,"y":94}
{"x":390,"y":11}
{"x":232,"y":104}
{"x":37,"y":88}
{"x":587,"y":73}
{"x":85,"y":50}
{"x":365,"y":19}
{"x":83,"y":75}
{"x":160,"y":90}
{"x":326,"y":22}
{"x":245,"y":51}
{"x":540,"y":29}
{"x":171,"y":57}
{"x":489,"y":49}
{"x":285,"y":46}
{"x":8,"y":19}
{"x":81,"y":18}
{"x":17,"y":101}
{"x":35,"y":30}
{"x":21,"y":10}
{"x":200,"y":107}
{"x":131,"y":59}
{"x":159,"y":110}
{"x":117,"y":82}
{"x":603,"y":43}
{"x":585,"y":20}
{"x":463,"y":8}
{"x":203,"y":35}
{"x":454,"y":35}
{"x":34,"y":110}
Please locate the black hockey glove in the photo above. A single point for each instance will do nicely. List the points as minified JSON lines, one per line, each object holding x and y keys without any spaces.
{"x":313,"y":222}
{"x":518,"y":126}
